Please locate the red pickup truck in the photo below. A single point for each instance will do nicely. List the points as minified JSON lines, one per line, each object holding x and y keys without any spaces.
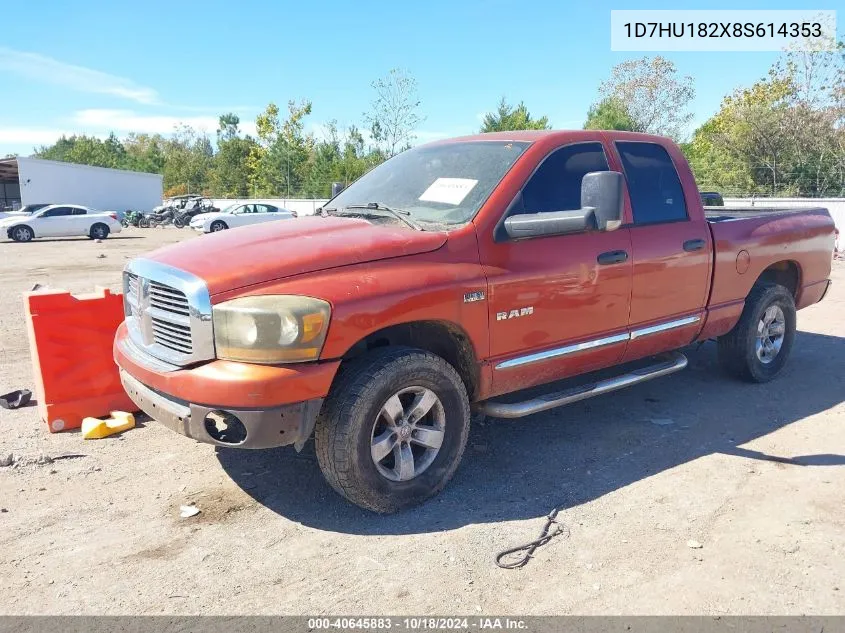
{"x":459,"y":276}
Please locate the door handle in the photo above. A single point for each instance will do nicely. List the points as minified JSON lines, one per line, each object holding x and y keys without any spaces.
{"x":612,"y":257}
{"x":694,"y":245}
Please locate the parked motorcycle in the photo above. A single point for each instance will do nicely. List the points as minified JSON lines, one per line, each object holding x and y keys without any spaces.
{"x":132,"y":218}
{"x":160,"y":218}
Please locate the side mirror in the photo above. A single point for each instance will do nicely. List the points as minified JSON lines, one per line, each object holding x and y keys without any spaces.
{"x":601,"y":191}
{"x":549,"y":223}
{"x":337,"y":187}
{"x":601,"y":208}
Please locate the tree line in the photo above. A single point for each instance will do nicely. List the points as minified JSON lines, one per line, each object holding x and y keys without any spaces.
{"x":281,"y":159}
{"x":781,"y":136}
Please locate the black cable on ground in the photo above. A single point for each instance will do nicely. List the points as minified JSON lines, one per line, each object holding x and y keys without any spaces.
{"x":551,"y":529}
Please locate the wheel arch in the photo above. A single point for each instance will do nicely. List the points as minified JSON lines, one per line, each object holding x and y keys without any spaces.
{"x":786,"y":273}
{"x":443,"y":338}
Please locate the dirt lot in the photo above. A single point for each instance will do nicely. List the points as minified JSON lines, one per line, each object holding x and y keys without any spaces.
{"x":754,"y":473}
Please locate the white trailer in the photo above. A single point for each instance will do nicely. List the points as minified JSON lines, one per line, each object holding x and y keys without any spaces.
{"x":37,"y":181}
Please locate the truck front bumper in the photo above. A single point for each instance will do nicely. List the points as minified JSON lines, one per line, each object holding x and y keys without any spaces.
{"x":225,"y":403}
{"x":237,"y":428}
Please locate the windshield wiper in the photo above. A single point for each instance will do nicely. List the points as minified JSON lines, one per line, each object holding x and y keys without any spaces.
{"x":399,"y":214}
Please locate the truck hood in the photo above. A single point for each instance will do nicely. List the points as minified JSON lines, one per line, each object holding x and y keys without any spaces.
{"x":249,"y":255}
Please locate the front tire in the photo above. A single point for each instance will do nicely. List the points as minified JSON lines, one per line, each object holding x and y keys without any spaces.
{"x":757,"y":348}
{"x":99,"y":232}
{"x":22,"y":233}
{"x":218,"y":225}
{"x":393,"y":429}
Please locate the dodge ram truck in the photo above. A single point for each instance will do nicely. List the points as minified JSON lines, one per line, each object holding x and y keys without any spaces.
{"x":503,"y":274}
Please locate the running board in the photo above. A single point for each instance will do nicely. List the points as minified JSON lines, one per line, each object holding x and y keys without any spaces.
{"x":675,"y":362}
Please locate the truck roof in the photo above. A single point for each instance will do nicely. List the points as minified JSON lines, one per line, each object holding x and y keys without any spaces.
{"x":530,"y":136}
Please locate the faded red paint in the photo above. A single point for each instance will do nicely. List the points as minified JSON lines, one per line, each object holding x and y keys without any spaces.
{"x":378,"y":276}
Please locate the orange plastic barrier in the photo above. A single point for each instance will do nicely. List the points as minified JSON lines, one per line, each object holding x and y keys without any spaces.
{"x":70,"y":338}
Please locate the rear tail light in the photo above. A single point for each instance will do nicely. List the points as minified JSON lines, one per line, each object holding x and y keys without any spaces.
{"x":113,"y":216}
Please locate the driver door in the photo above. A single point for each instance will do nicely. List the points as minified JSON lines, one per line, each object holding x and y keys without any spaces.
{"x":54,"y":222}
{"x":240,"y":216}
{"x":558,"y":304}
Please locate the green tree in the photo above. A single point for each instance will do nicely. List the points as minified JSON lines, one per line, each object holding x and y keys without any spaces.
{"x":229,"y":178}
{"x":227,"y":127}
{"x":258,"y":170}
{"x":188,"y":158}
{"x":772,"y":138}
{"x":656,"y":98}
{"x":87,"y":150}
{"x":290,"y":155}
{"x":394,"y":113}
{"x":507,"y":118}
{"x":610,"y":114}
{"x":145,"y":152}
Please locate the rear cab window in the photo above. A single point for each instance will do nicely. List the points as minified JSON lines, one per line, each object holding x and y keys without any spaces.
{"x":653,"y":184}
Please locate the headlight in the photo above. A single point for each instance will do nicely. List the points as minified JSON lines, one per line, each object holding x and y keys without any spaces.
{"x":270,"y":329}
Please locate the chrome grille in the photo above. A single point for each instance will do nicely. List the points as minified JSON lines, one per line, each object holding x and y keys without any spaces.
{"x":133,"y":283}
{"x":173,"y":336}
{"x":168,"y":299}
{"x":168,"y":312}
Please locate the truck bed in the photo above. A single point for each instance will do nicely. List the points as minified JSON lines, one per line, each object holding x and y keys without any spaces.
{"x":724,"y":214}
{"x":748,"y":240}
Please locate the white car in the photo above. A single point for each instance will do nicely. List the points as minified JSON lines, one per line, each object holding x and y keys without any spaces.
{"x":61,"y":220}
{"x":239,"y":215}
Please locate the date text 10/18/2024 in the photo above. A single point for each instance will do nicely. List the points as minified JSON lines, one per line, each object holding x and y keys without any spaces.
{"x":418,"y":624}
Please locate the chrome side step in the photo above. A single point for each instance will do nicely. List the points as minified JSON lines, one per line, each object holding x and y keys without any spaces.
{"x":675,"y":362}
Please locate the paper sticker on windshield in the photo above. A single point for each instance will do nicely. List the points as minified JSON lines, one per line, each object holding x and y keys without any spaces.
{"x":448,"y":190}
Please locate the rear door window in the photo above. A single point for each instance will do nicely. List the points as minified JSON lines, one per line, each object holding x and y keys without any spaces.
{"x":653,"y":183}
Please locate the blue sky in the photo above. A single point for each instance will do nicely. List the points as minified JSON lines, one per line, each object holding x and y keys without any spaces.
{"x":98,"y":66}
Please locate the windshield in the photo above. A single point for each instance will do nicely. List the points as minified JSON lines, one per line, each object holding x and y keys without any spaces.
{"x":444,"y":184}
{"x":38,"y":213}
{"x":31,"y":208}
{"x":231,"y":208}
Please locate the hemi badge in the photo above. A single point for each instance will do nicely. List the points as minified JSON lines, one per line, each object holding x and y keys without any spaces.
{"x":477,"y":295}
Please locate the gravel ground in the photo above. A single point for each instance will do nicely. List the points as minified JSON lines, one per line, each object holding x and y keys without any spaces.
{"x":752,"y":473}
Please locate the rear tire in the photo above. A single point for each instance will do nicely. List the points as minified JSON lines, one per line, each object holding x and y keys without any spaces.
{"x":218,"y":225}
{"x":419,"y":454}
{"x":99,"y":231}
{"x":21,"y":233}
{"x":143,"y":223}
{"x":757,"y":348}
{"x":179,"y":223}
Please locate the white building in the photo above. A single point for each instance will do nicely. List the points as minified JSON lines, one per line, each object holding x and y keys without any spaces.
{"x":36,"y":181}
